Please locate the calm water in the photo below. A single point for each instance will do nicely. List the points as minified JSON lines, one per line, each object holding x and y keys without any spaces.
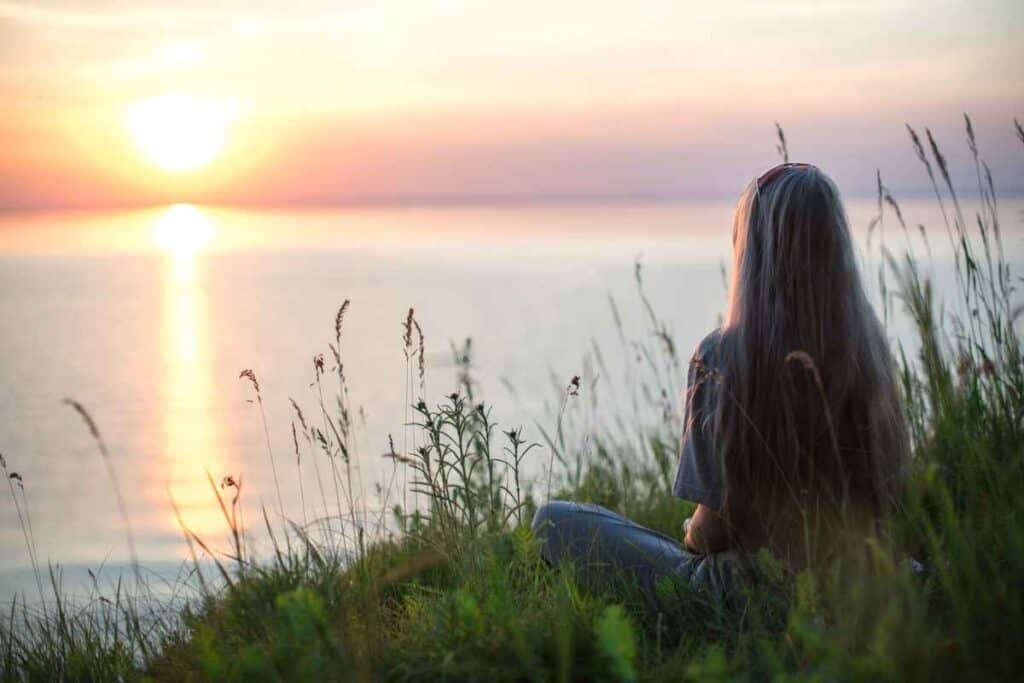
{"x":147,"y":318}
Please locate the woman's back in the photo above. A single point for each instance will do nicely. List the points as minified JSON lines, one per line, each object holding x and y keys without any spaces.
{"x":794,"y":435}
{"x":795,"y":399}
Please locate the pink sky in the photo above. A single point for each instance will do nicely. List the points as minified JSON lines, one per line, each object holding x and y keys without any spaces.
{"x":466,"y":99}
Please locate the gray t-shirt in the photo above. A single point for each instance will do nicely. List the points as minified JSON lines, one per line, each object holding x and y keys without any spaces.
{"x":699,"y":477}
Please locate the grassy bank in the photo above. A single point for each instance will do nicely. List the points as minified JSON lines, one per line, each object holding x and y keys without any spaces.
{"x":446,"y":583}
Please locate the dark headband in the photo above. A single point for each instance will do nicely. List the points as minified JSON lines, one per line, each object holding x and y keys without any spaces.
{"x":774,"y":172}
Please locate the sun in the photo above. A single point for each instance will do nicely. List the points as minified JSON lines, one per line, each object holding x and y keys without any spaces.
{"x":182,"y":228}
{"x":179,"y":132}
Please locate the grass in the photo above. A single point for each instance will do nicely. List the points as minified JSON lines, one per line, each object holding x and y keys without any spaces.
{"x":451,"y":587}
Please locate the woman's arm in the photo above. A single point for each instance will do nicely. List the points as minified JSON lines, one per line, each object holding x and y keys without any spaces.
{"x":707,"y":532}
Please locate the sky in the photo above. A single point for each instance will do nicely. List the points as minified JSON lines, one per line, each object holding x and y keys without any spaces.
{"x":132,"y":102}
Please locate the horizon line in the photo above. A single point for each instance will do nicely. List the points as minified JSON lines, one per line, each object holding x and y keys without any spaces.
{"x":452,"y":200}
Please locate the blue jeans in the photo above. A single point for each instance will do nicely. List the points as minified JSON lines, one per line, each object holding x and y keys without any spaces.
{"x":606,"y":547}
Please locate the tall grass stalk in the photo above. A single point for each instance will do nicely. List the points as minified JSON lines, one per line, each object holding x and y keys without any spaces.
{"x":251,"y":376}
{"x":298,"y":470}
{"x":327,"y":445}
{"x":25,"y":522}
{"x":114,"y":484}
{"x":325,"y":521}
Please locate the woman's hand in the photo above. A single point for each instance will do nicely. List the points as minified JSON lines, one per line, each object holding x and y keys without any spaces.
{"x":706,"y":532}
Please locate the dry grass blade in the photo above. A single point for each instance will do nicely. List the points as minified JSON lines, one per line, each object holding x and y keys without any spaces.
{"x":940,"y":160}
{"x":299,"y":415}
{"x":316,"y":467}
{"x":572,"y":389}
{"x":251,"y":376}
{"x":273,"y":538}
{"x":188,"y":541}
{"x":896,"y":208}
{"x":298,"y":467}
{"x":229,"y":518}
{"x":420,"y":356}
{"x":122,"y":508}
{"x":407,"y":334}
{"x":26,"y":526}
{"x":339,"y":320}
{"x":781,"y":148}
{"x":308,"y":542}
{"x":220,"y":568}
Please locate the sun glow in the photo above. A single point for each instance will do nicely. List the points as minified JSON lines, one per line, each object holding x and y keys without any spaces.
{"x":179,"y":132}
{"x":182,"y":230}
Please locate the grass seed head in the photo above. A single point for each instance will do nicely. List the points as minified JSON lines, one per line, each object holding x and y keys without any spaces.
{"x":338,"y":320}
{"x":298,"y":414}
{"x":251,"y":376}
{"x":407,"y":333}
{"x":87,"y":418}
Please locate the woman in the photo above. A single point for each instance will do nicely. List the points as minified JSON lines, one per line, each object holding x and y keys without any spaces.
{"x":794,"y":434}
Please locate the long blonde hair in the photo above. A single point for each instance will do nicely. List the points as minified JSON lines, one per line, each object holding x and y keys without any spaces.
{"x":809,"y":412}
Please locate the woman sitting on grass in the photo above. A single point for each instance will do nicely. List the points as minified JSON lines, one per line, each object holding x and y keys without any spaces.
{"x":794,"y":435}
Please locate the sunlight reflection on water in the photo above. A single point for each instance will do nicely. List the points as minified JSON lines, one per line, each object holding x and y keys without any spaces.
{"x":191,"y":445}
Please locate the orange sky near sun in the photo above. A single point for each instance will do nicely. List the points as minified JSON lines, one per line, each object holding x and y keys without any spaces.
{"x":271,"y":102}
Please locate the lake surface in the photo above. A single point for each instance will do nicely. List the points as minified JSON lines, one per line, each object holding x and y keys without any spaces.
{"x":147,"y":318}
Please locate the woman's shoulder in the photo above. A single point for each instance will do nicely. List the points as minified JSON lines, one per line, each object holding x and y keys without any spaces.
{"x":707,"y":350}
